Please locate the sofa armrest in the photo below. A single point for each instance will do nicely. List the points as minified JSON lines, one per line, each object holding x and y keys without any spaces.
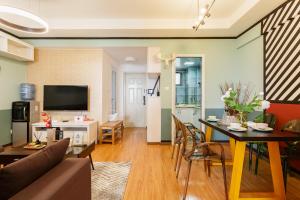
{"x":71,"y":179}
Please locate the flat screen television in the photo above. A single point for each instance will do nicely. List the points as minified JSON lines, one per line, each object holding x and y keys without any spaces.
{"x":65,"y":97}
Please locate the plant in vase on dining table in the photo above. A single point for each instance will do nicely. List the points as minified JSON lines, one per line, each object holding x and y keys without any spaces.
{"x":243,"y":104}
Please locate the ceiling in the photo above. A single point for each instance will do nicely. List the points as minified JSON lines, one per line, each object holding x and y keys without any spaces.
{"x":119,"y":54}
{"x":143,"y":18}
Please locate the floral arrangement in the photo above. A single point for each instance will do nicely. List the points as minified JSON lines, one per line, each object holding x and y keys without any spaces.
{"x":239,"y":100}
{"x":47,"y":119}
{"x":231,"y":100}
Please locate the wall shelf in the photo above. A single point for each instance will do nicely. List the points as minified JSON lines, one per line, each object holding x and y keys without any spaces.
{"x":14,"y":48}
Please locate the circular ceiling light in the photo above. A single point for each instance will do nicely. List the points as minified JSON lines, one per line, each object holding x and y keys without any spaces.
{"x":6,"y":10}
{"x":130,"y":59}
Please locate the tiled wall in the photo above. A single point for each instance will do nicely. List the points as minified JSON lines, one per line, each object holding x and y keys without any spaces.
{"x":189,"y":92}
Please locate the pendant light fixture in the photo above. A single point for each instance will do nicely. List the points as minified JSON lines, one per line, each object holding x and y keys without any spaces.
{"x":203,"y":12}
{"x":43,"y":26}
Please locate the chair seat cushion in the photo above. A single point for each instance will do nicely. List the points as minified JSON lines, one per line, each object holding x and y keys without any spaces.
{"x":294,"y":164}
{"x":16,"y":176}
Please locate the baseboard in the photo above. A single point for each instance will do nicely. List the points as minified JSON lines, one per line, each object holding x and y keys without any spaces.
{"x":166,"y":142}
{"x":6,"y":145}
{"x":163,"y":142}
{"x":153,"y":143}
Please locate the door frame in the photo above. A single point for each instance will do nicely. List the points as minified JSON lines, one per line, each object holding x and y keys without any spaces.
{"x":202,"y":56}
{"x":124,"y":94}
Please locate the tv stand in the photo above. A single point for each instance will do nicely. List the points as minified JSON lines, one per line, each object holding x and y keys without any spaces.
{"x":89,"y":128}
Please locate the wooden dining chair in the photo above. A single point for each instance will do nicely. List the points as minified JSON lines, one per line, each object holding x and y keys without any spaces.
{"x":261,"y":147}
{"x":199,"y":137}
{"x":177,"y":140}
{"x":195,"y":151}
{"x":290,"y":151}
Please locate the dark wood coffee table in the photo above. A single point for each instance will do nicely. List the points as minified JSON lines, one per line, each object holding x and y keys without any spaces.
{"x":81,"y":152}
{"x":12,"y":154}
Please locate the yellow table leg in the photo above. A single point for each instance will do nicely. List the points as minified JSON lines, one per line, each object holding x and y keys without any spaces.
{"x":208,"y":133}
{"x":237,"y":170}
{"x":232,"y":147}
{"x":276,"y":170}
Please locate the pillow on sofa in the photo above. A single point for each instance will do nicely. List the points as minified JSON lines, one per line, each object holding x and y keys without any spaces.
{"x":18,"y":175}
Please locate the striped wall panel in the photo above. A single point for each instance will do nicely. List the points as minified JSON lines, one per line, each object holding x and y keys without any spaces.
{"x":281,"y":30}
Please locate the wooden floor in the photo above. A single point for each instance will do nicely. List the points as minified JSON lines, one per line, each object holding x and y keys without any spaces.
{"x":152,"y":175}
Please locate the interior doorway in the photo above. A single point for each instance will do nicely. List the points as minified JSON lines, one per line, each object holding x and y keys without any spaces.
{"x":188,"y":102}
{"x":135,"y":100}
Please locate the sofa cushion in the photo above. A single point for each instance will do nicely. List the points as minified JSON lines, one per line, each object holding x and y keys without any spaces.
{"x":18,"y":175}
{"x":70,"y":179}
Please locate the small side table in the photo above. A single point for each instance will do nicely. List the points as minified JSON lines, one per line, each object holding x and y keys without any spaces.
{"x":82,"y":152}
{"x":110,"y":131}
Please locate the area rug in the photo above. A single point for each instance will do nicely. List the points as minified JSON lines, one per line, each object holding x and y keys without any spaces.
{"x":109,"y":180}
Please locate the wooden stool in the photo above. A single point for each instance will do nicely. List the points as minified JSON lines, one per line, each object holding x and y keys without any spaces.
{"x":110,"y":131}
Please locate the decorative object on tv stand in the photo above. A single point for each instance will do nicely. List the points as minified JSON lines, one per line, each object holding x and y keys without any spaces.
{"x":19,"y":16}
{"x":47,"y":119}
{"x":113,"y":117}
{"x":51,"y":134}
{"x":79,"y":118}
{"x":37,"y":137}
{"x":239,"y":100}
{"x":27,"y":91}
{"x":203,"y":12}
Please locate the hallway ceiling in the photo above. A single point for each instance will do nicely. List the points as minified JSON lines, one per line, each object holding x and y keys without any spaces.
{"x":119,"y":54}
{"x":143,"y":18}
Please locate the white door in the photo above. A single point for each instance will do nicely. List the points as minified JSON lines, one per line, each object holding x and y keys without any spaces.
{"x":135,"y":101}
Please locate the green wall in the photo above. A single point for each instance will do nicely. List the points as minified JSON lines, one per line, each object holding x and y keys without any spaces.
{"x":224,"y":60}
{"x":12,"y":73}
{"x":5,"y":121}
{"x":250,"y":56}
{"x":219,"y":54}
{"x":219,"y":59}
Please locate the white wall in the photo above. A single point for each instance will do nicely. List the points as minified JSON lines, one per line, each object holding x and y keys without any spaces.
{"x":109,"y":65}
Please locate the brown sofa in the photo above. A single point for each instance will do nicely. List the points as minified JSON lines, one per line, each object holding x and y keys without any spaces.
{"x":46,"y":175}
{"x":70,"y":179}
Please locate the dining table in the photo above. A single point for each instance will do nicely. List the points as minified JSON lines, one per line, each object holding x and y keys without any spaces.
{"x":238,"y":141}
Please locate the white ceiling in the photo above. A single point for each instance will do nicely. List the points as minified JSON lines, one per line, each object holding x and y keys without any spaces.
{"x":142,"y":18}
{"x":120,"y":53}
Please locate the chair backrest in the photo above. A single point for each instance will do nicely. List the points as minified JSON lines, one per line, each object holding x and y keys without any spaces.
{"x":292,"y":126}
{"x":177,"y":126}
{"x":268,"y":118}
{"x":1,"y":148}
{"x":189,"y":139}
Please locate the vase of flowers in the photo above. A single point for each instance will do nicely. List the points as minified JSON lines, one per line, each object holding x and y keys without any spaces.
{"x":242,"y":103}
